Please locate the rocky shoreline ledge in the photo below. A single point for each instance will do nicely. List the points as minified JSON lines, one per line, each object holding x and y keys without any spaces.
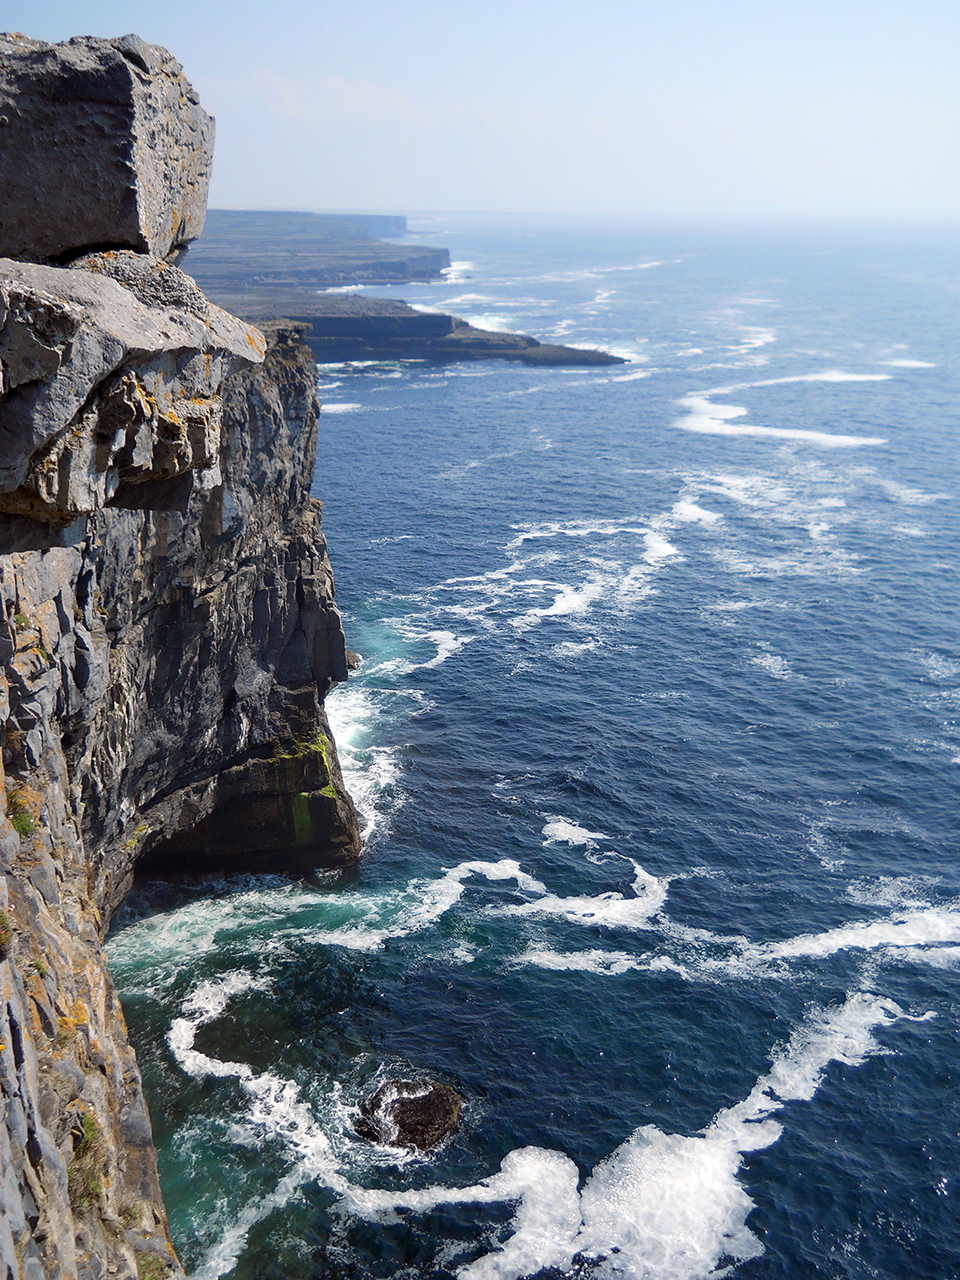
{"x":275,"y":266}
{"x":168,"y":628}
{"x":339,"y":327}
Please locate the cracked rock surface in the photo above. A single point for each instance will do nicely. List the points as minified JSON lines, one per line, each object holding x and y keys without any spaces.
{"x":103,"y":144}
{"x":168,"y":629}
{"x":110,"y":376}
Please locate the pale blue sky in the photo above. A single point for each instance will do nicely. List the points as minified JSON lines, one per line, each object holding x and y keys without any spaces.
{"x":695,"y":108}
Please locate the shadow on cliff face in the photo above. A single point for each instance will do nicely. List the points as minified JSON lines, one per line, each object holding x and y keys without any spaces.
{"x":286,"y":811}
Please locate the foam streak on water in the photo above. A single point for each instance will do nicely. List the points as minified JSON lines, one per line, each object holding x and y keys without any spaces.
{"x":662,"y":1206}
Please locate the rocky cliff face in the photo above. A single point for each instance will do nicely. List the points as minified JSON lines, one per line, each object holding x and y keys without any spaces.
{"x":161,"y":696}
{"x":167,"y":635}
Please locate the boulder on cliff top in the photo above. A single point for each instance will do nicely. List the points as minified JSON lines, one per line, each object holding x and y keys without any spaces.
{"x":410,"y":1113}
{"x":103,"y":144}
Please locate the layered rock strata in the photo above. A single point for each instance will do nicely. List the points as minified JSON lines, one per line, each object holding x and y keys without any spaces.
{"x":161,"y":699}
{"x":168,"y":632}
{"x":343,"y":327}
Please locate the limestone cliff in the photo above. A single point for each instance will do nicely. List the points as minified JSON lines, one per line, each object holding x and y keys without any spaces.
{"x":161,"y":681}
{"x":167,"y":635}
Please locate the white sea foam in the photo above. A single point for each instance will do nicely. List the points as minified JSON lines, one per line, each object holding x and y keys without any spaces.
{"x":826,"y":375}
{"x":370,"y":771}
{"x":754,"y":336}
{"x":559,"y":830}
{"x":604,"y":963}
{"x":891,"y":891}
{"x":490,"y":321}
{"x":205,"y":1003}
{"x":446,"y":642}
{"x":575,"y":529}
{"x":690,"y":513}
{"x":657,"y":548}
{"x":926,"y":927}
{"x":573,"y":649}
{"x":797,"y":506}
{"x":371,"y":919}
{"x":275,"y":1112}
{"x":939,"y":666}
{"x":447,"y":645}
{"x":630,"y":354}
{"x":929,"y":930}
{"x":706,"y":418}
{"x":461,"y":299}
{"x":569,"y":601}
{"x":937,"y":958}
{"x":737,"y":606}
{"x":910,"y":364}
{"x":909,"y":496}
{"x":341,"y":408}
{"x":773,"y":665}
{"x":544,"y":1227}
{"x":670,"y":1207}
{"x":610,"y":910}
{"x":661,"y":1206}
{"x":164,"y":943}
{"x":457,"y":272}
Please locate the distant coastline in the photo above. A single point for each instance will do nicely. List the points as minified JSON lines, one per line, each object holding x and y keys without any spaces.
{"x":266,"y":266}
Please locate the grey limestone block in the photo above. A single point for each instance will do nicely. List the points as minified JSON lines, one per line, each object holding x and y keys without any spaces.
{"x":110,"y":377}
{"x":103,"y":144}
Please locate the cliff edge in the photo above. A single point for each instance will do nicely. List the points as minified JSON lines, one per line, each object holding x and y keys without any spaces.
{"x":168,"y":630}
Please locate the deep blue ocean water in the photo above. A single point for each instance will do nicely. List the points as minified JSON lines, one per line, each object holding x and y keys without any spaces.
{"x":656,"y":741}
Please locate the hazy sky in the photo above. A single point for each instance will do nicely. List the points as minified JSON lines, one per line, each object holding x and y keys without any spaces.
{"x":696,"y":108}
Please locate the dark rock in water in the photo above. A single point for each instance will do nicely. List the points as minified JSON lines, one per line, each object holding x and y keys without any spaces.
{"x":353,"y":660}
{"x":349,"y":328}
{"x":269,"y":266}
{"x":104,"y":145}
{"x":410,"y":1113}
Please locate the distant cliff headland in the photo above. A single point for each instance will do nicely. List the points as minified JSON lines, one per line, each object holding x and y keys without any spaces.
{"x":168,"y":629}
{"x":251,"y":252}
{"x":263,"y":265}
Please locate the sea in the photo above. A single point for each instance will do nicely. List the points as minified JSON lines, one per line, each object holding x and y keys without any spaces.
{"x":656,"y":746}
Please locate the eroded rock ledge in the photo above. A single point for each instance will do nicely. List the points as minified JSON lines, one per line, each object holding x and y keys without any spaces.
{"x":168,"y":632}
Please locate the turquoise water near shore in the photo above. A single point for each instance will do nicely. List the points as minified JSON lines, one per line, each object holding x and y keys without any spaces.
{"x":656,"y":743}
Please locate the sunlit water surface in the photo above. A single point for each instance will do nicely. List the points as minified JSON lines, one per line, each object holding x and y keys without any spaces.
{"x":656,"y":741}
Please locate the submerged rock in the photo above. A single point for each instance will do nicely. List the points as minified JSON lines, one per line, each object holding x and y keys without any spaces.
{"x":410,"y":1113}
{"x":103,"y":144}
